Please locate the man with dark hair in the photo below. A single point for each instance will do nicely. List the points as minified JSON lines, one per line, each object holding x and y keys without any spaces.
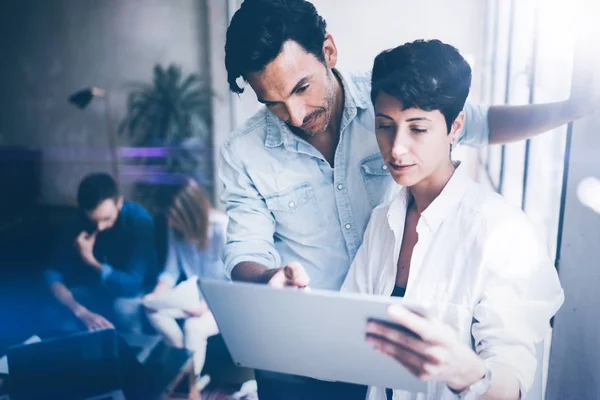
{"x":101,"y":261}
{"x":303,"y":174}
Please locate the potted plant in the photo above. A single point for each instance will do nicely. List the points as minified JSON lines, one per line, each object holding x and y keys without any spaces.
{"x":167,"y":126}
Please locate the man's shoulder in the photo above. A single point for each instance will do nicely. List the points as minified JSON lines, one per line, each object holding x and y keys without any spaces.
{"x":132,"y":211}
{"x":252,"y":130}
{"x":358,"y":77}
{"x":360,"y":82}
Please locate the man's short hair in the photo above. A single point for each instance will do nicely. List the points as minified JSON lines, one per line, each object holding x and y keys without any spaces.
{"x":94,"y":189}
{"x":429,"y":75}
{"x":259,"y":29}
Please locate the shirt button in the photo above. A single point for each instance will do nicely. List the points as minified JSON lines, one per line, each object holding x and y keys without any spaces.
{"x":340,"y":186}
{"x":347,"y":226}
{"x":385,"y":168}
{"x":292,"y":204}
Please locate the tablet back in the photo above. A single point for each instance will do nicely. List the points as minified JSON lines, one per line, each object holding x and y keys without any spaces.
{"x":319,"y":334}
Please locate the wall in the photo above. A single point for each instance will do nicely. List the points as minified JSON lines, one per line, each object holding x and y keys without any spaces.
{"x":363,"y":29}
{"x":50,"y":49}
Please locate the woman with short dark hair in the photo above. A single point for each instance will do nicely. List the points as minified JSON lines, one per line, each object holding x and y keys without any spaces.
{"x":448,"y":244}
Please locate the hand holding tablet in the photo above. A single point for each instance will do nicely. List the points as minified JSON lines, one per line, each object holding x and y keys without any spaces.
{"x":428,"y":348}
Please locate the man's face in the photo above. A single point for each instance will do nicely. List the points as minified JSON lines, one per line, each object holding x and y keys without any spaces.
{"x":414,"y":143}
{"x":105,"y":215}
{"x":298,"y":88}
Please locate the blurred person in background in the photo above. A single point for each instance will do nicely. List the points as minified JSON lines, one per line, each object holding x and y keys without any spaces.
{"x":97,"y":273}
{"x":196,"y":236}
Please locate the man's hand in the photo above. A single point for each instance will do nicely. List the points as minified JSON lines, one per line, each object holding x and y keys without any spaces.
{"x":85,"y":245}
{"x":435,"y":353}
{"x":93,"y":321}
{"x":292,"y":274}
{"x":585,"y":92}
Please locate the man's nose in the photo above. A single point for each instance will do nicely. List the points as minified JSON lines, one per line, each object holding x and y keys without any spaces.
{"x":296,"y":113}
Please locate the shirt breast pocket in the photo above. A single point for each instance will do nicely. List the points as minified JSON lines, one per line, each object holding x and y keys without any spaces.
{"x":377,"y":178}
{"x":296,"y":210}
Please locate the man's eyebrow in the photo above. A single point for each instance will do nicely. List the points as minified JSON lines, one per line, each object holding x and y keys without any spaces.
{"x":298,"y":85}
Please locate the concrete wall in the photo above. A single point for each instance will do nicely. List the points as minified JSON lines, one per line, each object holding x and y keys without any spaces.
{"x":53,"y":48}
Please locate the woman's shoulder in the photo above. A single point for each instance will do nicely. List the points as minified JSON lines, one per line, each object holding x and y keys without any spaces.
{"x":493,"y":211}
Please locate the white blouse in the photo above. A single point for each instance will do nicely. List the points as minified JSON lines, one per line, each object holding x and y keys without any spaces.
{"x":479,"y":265}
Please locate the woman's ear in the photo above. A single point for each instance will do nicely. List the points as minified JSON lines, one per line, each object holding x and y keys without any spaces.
{"x":330,"y":51}
{"x":457,"y":127}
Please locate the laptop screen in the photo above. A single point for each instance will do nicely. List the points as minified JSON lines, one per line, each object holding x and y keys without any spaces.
{"x":77,"y":366}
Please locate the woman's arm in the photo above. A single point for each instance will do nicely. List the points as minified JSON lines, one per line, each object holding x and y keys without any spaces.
{"x":168,"y":278}
{"x":521,"y":294}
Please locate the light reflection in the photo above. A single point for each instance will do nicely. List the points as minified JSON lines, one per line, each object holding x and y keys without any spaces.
{"x":588,"y":192}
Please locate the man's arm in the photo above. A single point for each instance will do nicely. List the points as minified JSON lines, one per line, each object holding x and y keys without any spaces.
{"x":512,"y":123}
{"x":89,"y":319}
{"x":129,"y":280}
{"x":249,"y":251}
{"x":65,"y":297}
{"x":249,"y":254}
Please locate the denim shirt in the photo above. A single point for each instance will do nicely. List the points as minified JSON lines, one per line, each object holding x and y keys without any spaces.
{"x":185,"y":259}
{"x":286,"y":203}
{"x":126,"y":252}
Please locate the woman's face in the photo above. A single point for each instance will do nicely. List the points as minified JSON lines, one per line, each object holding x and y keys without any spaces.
{"x":414,"y":143}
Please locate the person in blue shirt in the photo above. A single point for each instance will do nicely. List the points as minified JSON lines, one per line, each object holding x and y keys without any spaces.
{"x":196,"y":239}
{"x":302,"y":175}
{"x":98,"y":270}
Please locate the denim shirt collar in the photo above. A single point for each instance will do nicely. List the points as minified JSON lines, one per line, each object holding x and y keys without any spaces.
{"x":278,"y":133}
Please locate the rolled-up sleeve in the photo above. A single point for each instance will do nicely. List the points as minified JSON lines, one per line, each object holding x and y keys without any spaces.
{"x":476,"y":131}
{"x":52,"y":276}
{"x":521,"y":294}
{"x":251,"y":225}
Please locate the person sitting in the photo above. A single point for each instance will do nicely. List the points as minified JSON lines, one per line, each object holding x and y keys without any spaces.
{"x":97,"y":272}
{"x":448,"y":244}
{"x":196,"y":238}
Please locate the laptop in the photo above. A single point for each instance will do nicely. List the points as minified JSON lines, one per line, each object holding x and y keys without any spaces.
{"x":318,"y":334}
{"x":84,"y":365}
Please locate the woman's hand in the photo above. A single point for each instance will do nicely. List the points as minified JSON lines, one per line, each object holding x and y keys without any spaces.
{"x":433,"y":352}
{"x":198,"y":311}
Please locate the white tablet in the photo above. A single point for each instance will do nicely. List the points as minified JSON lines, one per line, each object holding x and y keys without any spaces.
{"x":318,"y":334}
